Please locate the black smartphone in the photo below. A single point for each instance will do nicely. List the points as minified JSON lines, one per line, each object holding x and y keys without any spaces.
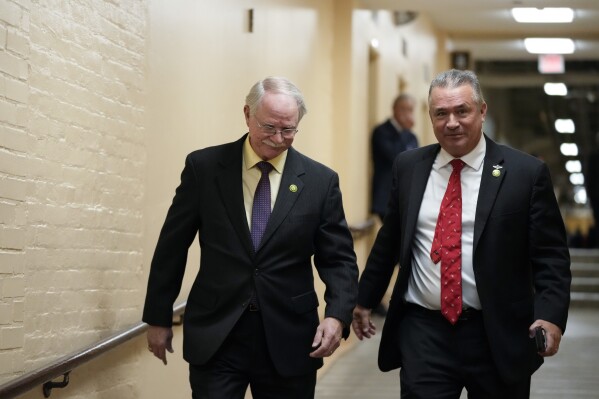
{"x":540,"y":339}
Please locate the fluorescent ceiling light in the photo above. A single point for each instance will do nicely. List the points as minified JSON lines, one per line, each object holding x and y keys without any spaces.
{"x":565,"y":126}
{"x":577,"y":179}
{"x":574,"y":166}
{"x":580,"y":195}
{"x":543,"y":15}
{"x":555,"y":89}
{"x":542,"y":45}
{"x":569,"y":149}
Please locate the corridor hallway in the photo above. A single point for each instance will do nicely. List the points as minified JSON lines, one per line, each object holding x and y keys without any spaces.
{"x":571,"y":374}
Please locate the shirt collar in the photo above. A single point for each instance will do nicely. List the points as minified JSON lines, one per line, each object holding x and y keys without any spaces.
{"x":250,"y":158}
{"x":396,"y":124}
{"x":473,"y":159}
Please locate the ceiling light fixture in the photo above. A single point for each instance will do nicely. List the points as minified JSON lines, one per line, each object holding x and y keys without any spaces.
{"x":574,"y":166}
{"x":580,"y":195}
{"x":565,"y":126}
{"x":555,"y":89}
{"x":569,"y":149}
{"x":577,"y":179}
{"x":550,"y":15}
{"x":543,"y":45}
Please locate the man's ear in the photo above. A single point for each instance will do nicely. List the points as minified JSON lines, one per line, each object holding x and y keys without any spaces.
{"x":246,"y":113}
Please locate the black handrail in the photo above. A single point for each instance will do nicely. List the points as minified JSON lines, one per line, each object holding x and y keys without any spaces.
{"x":63,"y":366}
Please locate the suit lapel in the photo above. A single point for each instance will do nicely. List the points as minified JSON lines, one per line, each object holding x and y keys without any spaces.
{"x":489,"y":186}
{"x":417,"y":186}
{"x":231,"y":191}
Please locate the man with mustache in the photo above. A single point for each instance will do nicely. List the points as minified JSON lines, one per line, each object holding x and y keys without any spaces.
{"x":262,"y":211}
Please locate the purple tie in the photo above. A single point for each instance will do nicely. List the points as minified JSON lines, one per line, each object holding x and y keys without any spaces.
{"x":261,"y":207}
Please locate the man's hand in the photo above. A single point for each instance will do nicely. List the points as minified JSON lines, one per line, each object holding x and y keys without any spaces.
{"x":160,"y":340}
{"x":327,"y":338}
{"x":362,"y":323}
{"x":553,"y":336}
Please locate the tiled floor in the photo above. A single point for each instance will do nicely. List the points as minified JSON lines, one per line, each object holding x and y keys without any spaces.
{"x":571,"y":374}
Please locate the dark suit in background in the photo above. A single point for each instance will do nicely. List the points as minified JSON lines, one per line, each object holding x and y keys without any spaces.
{"x":389,"y":139}
{"x":278,"y":348}
{"x":519,"y":259}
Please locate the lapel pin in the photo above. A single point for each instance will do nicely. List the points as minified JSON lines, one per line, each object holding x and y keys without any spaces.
{"x":496,"y":171}
{"x":293,"y":188}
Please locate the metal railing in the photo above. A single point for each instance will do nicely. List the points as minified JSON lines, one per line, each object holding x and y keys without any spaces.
{"x":62,"y":367}
{"x":44,"y":376}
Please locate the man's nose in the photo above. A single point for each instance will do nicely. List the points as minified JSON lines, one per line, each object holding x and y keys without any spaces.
{"x":278,"y":137}
{"x":453,"y":122}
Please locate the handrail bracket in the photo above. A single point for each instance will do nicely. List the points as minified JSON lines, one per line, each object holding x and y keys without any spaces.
{"x":49,"y":385}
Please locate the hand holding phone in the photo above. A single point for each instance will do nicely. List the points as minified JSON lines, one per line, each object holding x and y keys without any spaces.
{"x":540,"y":339}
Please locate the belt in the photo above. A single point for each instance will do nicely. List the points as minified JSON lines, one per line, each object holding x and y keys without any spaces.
{"x":467,"y":313}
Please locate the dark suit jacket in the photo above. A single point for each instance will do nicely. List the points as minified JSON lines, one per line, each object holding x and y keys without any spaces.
{"x":305,"y":222}
{"x":386,"y":143}
{"x":521,"y":259}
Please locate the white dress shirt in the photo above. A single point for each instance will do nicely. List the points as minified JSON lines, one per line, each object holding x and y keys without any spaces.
{"x":424,"y":286}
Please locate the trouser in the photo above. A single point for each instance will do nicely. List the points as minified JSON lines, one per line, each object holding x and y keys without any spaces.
{"x":243,"y":360}
{"x":440,"y":359}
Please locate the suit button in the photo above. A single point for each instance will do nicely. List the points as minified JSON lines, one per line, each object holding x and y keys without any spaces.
{"x":256,"y":272}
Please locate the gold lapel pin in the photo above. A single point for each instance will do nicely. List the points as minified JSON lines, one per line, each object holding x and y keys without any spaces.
{"x":496,"y":172}
{"x":293,"y":188}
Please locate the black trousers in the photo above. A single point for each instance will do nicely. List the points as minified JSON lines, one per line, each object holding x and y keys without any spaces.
{"x":243,"y":360}
{"x":441,"y":359}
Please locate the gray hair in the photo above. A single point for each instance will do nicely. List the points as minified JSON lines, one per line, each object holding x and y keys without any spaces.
{"x":403,"y":97}
{"x":456,"y":78}
{"x":275,"y":84}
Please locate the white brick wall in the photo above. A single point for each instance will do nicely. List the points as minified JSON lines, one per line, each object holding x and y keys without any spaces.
{"x":14,"y":142}
{"x":72,"y":171}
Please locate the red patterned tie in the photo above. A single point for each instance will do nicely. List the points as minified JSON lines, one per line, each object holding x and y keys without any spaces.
{"x":447,"y":245}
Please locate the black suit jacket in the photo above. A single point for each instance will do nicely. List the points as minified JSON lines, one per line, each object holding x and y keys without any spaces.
{"x":386,"y":143}
{"x":307,"y":221}
{"x":521,"y":259}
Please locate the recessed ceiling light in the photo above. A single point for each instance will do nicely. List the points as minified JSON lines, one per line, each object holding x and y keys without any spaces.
{"x":569,"y":149}
{"x":544,"y":45}
{"x":580,"y":195}
{"x":543,"y":15}
{"x":577,"y":178}
{"x":565,"y":126}
{"x":555,"y":89}
{"x":574,"y":166}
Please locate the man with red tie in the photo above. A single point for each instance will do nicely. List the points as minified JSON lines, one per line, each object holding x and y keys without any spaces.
{"x":484,"y":262}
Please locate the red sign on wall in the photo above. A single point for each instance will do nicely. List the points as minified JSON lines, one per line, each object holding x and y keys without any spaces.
{"x":551,"y":63}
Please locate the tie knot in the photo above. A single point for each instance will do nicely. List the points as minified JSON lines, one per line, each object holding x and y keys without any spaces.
{"x":457,"y":165}
{"x":265,"y":167}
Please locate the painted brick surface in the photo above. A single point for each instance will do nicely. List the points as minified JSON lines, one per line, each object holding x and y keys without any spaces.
{"x":72,"y":171}
{"x":14,"y":90}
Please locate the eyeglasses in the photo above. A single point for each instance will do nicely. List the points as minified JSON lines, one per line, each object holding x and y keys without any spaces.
{"x":287,"y":133}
